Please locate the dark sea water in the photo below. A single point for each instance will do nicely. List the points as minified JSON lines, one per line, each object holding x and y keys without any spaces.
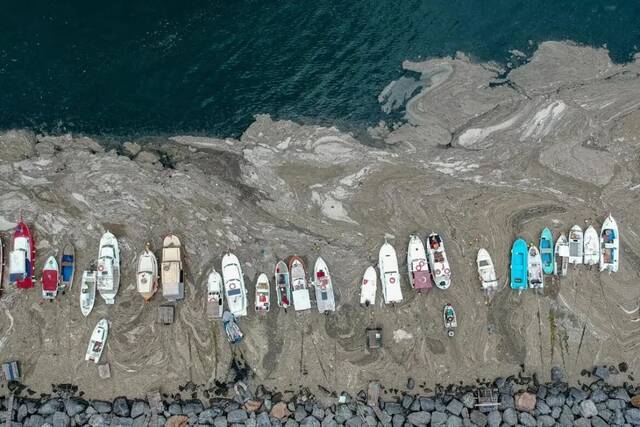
{"x":133,"y":68}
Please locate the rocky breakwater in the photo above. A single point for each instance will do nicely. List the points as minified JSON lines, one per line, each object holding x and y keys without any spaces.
{"x":518,"y":401}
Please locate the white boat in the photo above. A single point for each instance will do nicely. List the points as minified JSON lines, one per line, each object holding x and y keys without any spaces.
{"x":576,"y":245}
{"x":591,"y":252}
{"x":50,"y":278}
{"x":108,"y":268}
{"x":234,"y":288}
{"x":88,"y":292}
{"x":300,"y":291}
{"x":389,"y":274}
{"x":324,"y":287}
{"x":172,"y":272}
{"x":98,"y":341}
{"x":215,"y":295}
{"x":263,"y":294}
{"x":450,"y":319}
{"x":417,"y":265}
{"x":147,"y":274}
{"x":561,"y":256}
{"x":609,"y":245}
{"x":534,"y":268}
{"x":486,"y":271}
{"x":368,"y":287}
{"x":438,"y":261}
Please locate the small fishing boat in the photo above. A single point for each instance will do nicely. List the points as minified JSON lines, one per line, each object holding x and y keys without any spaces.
{"x":438,"y":261}
{"x":263,"y":294}
{"x":389,"y":275}
{"x":486,"y":271}
{"x":108,"y":268}
{"x":576,"y":245}
{"x":283,"y":284}
{"x":172,"y":273}
{"x":534,"y":268}
{"x":231,"y":328}
{"x":324,"y":287}
{"x":98,"y":341}
{"x":368,"y":287}
{"x":67,"y":267}
{"x":417,"y":264}
{"x":234,"y":288}
{"x":88,"y":292}
{"x":450,"y":319}
{"x":147,"y":274}
{"x":609,"y":245}
{"x":215,"y":295}
{"x":546,"y":250}
{"x":298,"y":275}
{"x":22,"y":257}
{"x":561,"y":258}
{"x":50,"y":278}
{"x":591,"y":251}
{"x":519,"y":264}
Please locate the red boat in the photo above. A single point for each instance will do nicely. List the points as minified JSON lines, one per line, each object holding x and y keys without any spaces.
{"x":22,"y":257}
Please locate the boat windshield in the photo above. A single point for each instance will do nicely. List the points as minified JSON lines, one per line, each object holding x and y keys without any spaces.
{"x":483,"y":263}
{"x":234,"y":292}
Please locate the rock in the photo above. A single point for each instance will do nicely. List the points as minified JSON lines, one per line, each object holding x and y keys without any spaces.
{"x":494,"y":419}
{"x":81,"y":419}
{"x":291,"y":423}
{"x":131,"y":148}
{"x":614,"y":404}
{"x":601,"y":372}
{"x":127,"y":422}
{"x":582,"y":422}
{"x":438,"y":418}
{"x":478,"y":418}
{"x":237,"y":416}
{"x":252,"y":405}
{"x":526,"y":419}
{"x":22,"y":413}
{"x":632,"y":416}
{"x":468,"y":400}
{"x":542,"y":407}
{"x":605,"y":414}
{"x":121,"y":407}
{"x":546,"y":421}
{"x":635,"y":401}
{"x":251,"y":422}
{"x":577,"y":395}
{"x":454,"y":421}
{"x":74,"y":406}
{"x":262,"y":420}
{"x":147,"y":157}
{"x":398,"y":420}
{"x":555,"y":412}
{"x":139,"y":407}
{"x":526,"y":402}
{"x":61,"y":419}
{"x":50,"y":407}
{"x":599,"y":396}
{"x":177,"y":421}
{"x":427,"y":404}
{"x":390,"y":408}
{"x":101,"y":406}
{"x":34,"y":421}
{"x":566,"y":417}
{"x":542,"y":392}
{"x":507,"y":401}
{"x":175,"y":409}
{"x":407,"y":400}
{"x":618,"y":418}
{"x":280,"y":411}
{"x":311,"y":421}
{"x":411,"y":383}
{"x":317,"y":412}
{"x":620,"y":393}
{"x":556,"y":374}
{"x":598,"y":422}
{"x":370,"y":421}
{"x":142,"y":421}
{"x":207,"y":416}
{"x":556,"y":400}
{"x":588,"y":408}
{"x":300,"y":414}
{"x":220,"y":422}
{"x":455,"y":407}
{"x":510,"y":417}
{"x":421,"y":418}
{"x":99,"y":420}
{"x":192,"y":407}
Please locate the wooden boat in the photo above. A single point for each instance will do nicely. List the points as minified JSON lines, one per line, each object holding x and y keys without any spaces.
{"x":67,"y":267}
{"x":519,"y":266}
{"x":417,"y":265}
{"x":609,"y":245}
{"x":450,"y":319}
{"x":324,"y":287}
{"x":215,"y":295}
{"x":172,"y":273}
{"x":263,"y":294}
{"x":283,"y":285}
{"x":50,"y":278}
{"x":561,"y":256}
{"x":534,"y":268}
{"x":300,"y":292}
{"x":486,"y":271}
{"x":22,"y":257}
{"x":98,"y":341}
{"x":438,"y":261}
{"x":576,"y":245}
{"x":147,"y":274}
{"x":591,"y":251}
{"x":231,"y":328}
{"x":88,"y":292}
{"x":389,"y":274}
{"x":546,"y":250}
{"x":234,"y":288}
{"x":368,"y":287}
{"x":108,"y":281}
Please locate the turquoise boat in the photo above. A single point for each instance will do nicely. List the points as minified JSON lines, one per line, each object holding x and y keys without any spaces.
{"x":546,"y":250}
{"x":519,"y":264}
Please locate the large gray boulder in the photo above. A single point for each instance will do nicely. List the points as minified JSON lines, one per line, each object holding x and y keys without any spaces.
{"x":420,"y":418}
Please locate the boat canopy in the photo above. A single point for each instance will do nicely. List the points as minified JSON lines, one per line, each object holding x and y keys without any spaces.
{"x":422,"y":279}
{"x":170,"y":272}
{"x":171,"y":255}
{"x":22,"y":243}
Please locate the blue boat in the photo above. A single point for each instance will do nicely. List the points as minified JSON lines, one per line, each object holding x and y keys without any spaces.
{"x":546,"y":250}
{"x":67,"y":268}
{"x":519,"y":264}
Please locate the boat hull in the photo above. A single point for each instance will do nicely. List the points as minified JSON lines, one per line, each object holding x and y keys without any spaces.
{"x":519,"y":265}
{"x":98,"y":341}
{"x":561,"y":256}
{"x":283,"y":284}
{"x":300,"y":291}
{"x":88,"y":292}
{"x":263,"y":294}
{"x":418,"y":265}
{"x":324,"y":287}
{"x":368,"y":286}
{"x":534,"y":268}
{"x":389,"y":274}
{"x":24,"y":252}
{"x":438,"y":261}
{"x":546,"y":250}
{"x":234,"y":287}
{"x":486,"y":271}
{"x":50,"y":279}
{"x":591,"y":251}
{"x":609,"y":246}
{"x":576,"y":245}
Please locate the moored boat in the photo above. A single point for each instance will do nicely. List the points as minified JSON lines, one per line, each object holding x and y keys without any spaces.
{"x":98,"y":341}
{"x":591,"y":252}
{"x":50,"y":278}
{"x":519,"y":265}
{"x":450,"y":319}
{"x":546,"y":250}
{"x":300,"y":293}
{"x":609,"y":245}
{"x":88,"y":292}
{"x":215,"y":295}
{"x":324,"y":287}
{"x":147,"y":274}
{"x":231,"y":328}
{"x":417,"y":265}
{"x":263,"y":294}
{"x":67,"y":267}
{"x":576,"y":245}
{"x":389,"y":274}
{"x":438,"y":261}
{"x":172,"y":273}
{"x":22,"y":257}
{"x":368,"y":286}
{"x":108,"y":281}
{"x":486,"y":271}
{"x":561,"y":256}
{"x":283,"y":284}
{"x":234,"y":288}
{"x":534,"y":268}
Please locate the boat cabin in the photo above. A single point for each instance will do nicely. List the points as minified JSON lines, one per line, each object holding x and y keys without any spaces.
{"x":172,"y":275}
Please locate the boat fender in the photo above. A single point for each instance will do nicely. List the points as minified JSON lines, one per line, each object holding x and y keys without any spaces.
{"x":392,"y":280}
{"x":446,"y":271}
{"x":100,"y":267}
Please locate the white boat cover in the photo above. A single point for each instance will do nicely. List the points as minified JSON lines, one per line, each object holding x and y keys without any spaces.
{"x":301,"y":300}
